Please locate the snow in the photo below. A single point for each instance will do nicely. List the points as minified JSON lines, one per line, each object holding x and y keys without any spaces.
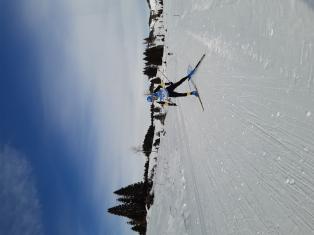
{"x":246,"y":164}
{"x":153,"y":4}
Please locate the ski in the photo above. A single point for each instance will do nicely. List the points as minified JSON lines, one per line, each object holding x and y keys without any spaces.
{"x":200,"y":61}
{"x":199,"y":98}
{"x":192,"y":81}
{"x":196,"y":66}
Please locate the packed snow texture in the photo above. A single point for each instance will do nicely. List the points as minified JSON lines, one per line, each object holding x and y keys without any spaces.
{"x":246,"y":164}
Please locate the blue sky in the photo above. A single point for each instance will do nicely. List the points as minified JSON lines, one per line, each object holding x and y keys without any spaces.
{"x":72,"y":106}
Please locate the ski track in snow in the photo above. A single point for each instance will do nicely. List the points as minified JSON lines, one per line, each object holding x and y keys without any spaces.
{"x":246,"y":164}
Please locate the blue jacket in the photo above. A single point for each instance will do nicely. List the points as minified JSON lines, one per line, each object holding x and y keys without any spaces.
{"x":161,"y":94}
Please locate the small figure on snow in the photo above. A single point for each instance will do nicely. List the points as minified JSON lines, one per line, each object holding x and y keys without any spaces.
{"x":163,"y":92}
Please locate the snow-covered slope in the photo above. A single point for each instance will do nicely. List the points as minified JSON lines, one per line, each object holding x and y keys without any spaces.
{"x":246,"y":164}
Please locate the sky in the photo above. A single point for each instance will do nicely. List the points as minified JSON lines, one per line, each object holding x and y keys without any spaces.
{"x":71,"y":109}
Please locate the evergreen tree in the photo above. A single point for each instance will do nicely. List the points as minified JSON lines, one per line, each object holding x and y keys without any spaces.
{"x":141,"y":229}
{"x":156,"y":80}
{"x":150,"y":71}
{"x":146,"y":169}
{"x":132,"y":222}
{"x":132,"y":211}
{"x":148,"y":141}
{"x":131,"y":189}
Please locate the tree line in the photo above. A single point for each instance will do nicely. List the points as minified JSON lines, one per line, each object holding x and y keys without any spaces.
{"x":135,"y":199}
{"x":134,"y":203}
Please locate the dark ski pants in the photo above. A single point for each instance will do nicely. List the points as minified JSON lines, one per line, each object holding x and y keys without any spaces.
{"x":173,"y":86}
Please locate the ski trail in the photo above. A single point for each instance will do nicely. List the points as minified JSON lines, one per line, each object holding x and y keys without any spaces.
{"x":261,"y":132}
{"x":292,"y":202}
{"x":248,"y":158}
{"x":190,"y":167}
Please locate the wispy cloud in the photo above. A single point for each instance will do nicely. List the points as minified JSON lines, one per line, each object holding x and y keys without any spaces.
{"x":92,"y":73}
{"x":20,"y":211}
{"x":92,"y":86}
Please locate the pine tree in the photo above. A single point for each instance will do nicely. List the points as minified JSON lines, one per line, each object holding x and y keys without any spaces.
{"x":148,"y":141}
{"x":141,"y":229}
{"x":150,"y":71}
{"x":131,"y":189}
{"x":136,"y":199}
{"x":156,"y":80}
{"x":132,"y":211}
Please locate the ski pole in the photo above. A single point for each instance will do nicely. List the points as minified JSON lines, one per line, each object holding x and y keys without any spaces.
{"x":164,"y":75}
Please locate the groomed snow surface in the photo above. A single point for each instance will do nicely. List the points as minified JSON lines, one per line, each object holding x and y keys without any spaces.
{"x":246,"y":164}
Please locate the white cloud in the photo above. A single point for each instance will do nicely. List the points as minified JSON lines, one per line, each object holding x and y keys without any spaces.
{"x":92,"y":84}
{"x":20,"y":211}
{"x":91,"y":71}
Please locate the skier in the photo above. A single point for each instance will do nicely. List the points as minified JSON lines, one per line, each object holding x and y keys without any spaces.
{"x":162,"y":93}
